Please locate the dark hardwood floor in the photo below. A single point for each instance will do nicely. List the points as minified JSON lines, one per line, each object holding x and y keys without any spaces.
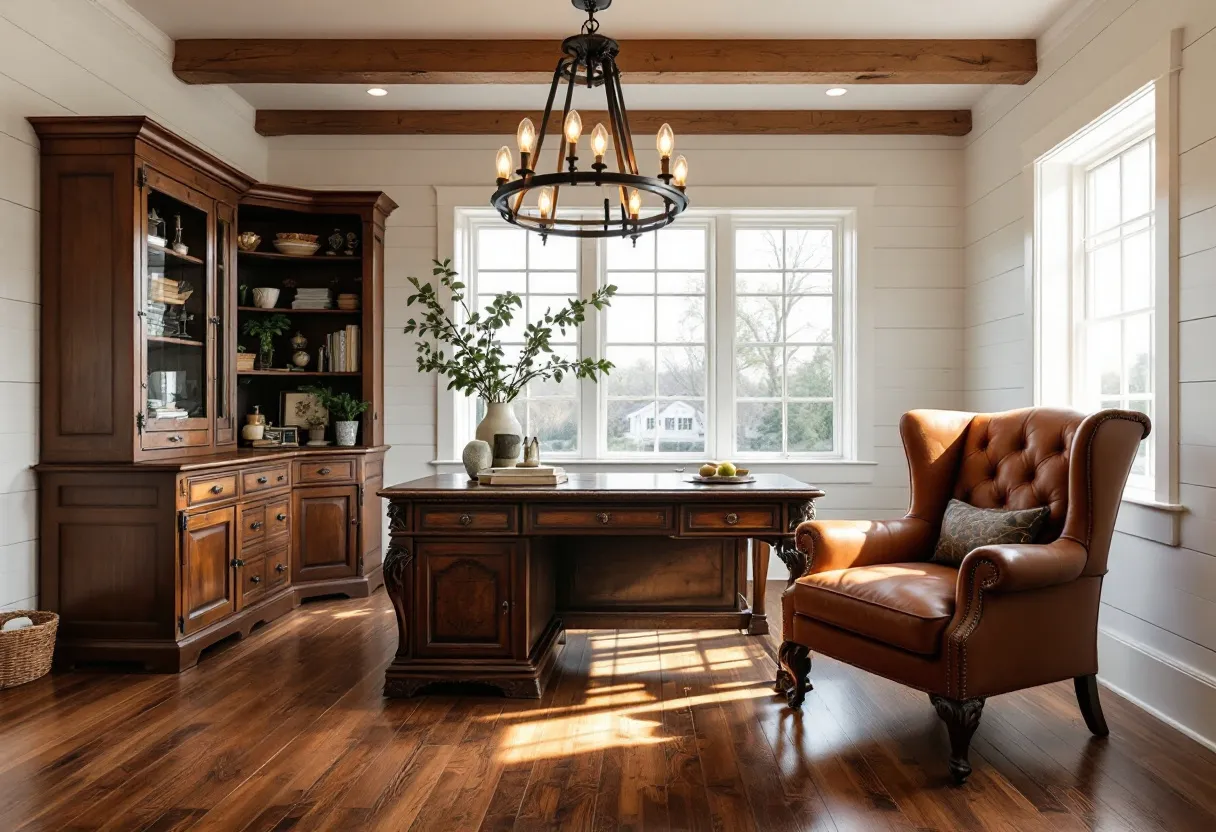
{"x":640,"y":730}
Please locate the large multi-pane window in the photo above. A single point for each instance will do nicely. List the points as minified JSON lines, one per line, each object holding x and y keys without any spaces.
{"x":545,"y":277}
{"x":656,"y":334}
{"x":785,"y":340}
{"x":1115,"y":320}
{"x":727,"y":335}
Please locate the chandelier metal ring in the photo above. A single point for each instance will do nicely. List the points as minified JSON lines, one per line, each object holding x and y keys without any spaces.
{"x":589,"y":60}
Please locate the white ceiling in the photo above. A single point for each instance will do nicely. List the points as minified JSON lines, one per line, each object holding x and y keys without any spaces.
{"x":637,"y":97}
{"x":625,"y":19}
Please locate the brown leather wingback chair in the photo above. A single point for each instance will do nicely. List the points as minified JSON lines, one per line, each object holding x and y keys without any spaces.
{"x":1010,"y":617}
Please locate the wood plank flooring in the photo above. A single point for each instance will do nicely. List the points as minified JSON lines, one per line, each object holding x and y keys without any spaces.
{"x":639,"y":730}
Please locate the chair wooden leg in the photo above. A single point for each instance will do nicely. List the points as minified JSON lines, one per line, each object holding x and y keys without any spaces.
{"x":962,"y":718}
{"x":793,"y":667}
{"x":1091,"y":706}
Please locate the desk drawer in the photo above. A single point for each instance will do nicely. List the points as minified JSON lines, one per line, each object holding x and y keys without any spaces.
{"x":278,"y":518}
{"x":607,"y":519}
{"x":728,"y":519}
{"x":210,"y":487}
{"x":448,"y":518}
{"x":160,"y":440}
{"x":336,"y":469}
{"x":266,"y":479}
{"x":277,"y":569}
{"x":252,"y":526}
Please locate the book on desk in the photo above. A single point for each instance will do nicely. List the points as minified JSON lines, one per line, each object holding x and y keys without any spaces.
{"x":539,"y":475}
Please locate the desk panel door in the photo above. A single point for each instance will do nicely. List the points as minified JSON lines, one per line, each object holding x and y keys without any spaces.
{"x":208,"y":550}
{"x":325,"y":529}
{"x":465,"y":598}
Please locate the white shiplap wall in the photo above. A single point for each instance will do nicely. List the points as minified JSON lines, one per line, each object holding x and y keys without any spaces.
{"x":918,"y":293}
{"x":1159,"y":603}
{"x":72,"y":57}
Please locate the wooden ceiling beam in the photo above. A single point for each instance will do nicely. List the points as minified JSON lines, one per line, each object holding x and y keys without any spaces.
{"x":684,"y":122}
{"x":303,"y":61}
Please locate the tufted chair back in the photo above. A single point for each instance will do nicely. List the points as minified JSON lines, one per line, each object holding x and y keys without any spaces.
{"x":1072,"y":463}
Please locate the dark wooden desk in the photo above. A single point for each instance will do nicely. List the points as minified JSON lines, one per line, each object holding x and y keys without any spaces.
{"x":484,"y":580}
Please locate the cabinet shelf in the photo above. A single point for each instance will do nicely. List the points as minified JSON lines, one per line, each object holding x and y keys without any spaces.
{"x":181,"y":342}
{"x":302,"y":258}
{"x":295,"y":373}
{"x":301,"y":311}
{"x":186,"y":258}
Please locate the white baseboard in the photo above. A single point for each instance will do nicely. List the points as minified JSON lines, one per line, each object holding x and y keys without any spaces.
{"x":1177,"y":694}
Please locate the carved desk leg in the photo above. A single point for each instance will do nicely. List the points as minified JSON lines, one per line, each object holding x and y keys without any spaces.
{"x":793,"y":659}
{"x":398,"y":583}
{"x":758,"y":625}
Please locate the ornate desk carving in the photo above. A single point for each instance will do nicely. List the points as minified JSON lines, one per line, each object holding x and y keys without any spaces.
{"x":483,"y":580}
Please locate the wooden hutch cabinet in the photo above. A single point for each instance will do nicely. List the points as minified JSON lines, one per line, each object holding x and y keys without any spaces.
{"x":162,"y":534}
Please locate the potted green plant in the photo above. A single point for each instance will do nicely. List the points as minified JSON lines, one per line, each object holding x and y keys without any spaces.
{"x":343,"y":408}
{"x":477,"y":364}
{"x":266,"y":329}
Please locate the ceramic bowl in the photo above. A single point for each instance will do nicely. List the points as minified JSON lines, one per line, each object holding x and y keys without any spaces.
{"x":297,"y":238}
{"x":296,"y":248}
{"x":265,"y":297}
{"x":248,"y":241}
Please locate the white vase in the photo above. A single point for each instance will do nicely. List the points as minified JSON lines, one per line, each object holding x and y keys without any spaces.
{"x":346,"y":432}
{"x":500,"y":418}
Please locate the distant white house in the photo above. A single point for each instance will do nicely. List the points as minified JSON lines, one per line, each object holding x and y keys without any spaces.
{"x":674,"y":422}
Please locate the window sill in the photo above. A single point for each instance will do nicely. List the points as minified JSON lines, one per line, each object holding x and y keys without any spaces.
{"x":818,"y":472}
{"x":1149,"y":519}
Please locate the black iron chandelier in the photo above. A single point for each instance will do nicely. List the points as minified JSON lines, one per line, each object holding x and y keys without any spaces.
{"x":589,"y":59}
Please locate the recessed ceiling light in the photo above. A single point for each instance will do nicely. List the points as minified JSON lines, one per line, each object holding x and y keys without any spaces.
{"x":377,"y":91}
{"x":836,"y":92}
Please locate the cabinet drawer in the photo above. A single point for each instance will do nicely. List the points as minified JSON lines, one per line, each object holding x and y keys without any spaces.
{"x":251,"y":577}
{"x":468,"y":518}
{"x":277,"y":571}
{"x":209,"y":488}
{"x":265,"y":479}
{"x":278,"y":518}
{"x":252,"y":526}
{"x":159,"y":440}
{"x":727,"y":519}
{"x":615,"y":519}
{"x":339,"y":469}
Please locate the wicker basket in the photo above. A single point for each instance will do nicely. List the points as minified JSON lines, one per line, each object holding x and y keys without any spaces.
{"x":25,"y":655}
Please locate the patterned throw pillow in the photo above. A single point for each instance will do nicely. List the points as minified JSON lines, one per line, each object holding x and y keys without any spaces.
{"x":965,"y":527}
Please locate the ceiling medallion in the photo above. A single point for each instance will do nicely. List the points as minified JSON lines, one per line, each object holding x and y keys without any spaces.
{"x":590,"y":59}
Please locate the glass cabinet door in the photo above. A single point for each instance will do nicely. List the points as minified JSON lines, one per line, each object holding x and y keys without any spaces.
{"x":176,"y":314}
{"x":224,"y":329}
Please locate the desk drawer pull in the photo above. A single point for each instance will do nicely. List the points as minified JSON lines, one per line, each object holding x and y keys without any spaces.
{"x":732,"y":519}
{"x":174,"y":438}
{"x":604,"y":517}
{"x":280,"y":517}
{"x":466,"y":520}
{"x":280,"y":568}
{"x":217,"y":489}
{"x":255,"y":525}
{"x":263,"y":480}
{"x":257,"y":579}
{"x":324,"y":471}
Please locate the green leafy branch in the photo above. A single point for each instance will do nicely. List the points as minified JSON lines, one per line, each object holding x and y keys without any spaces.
{"x":476,"y":363}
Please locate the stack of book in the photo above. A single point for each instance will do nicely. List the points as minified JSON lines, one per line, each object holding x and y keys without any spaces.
{"x":342,"y":351}
{"x":163,"y":290}
{"x":540,"y":475}
{"x":311,"y":299}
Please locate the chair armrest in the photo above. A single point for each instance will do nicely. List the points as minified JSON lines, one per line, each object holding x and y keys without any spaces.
{"x":841,"y":544}
{"x":1019,"y":568}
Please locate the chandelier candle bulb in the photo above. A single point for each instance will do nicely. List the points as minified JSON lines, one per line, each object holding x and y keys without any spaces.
{"x":544,"y":203}
{"x":503,"y":163}
{"x":635,"y":203}
{"x":573,"y":127}
{"x":525,"y":137}
{"x":680,"y":172}
{"x":666,"y":141}
{"x":599,"y":142}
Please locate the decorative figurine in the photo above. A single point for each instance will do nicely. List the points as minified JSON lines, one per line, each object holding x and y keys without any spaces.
{"x":335,"y":241}
{"x":531,"y":453}
{"x":156,"y":228}
{"x":178,"y":246}
{"x":477,"y":457}
{"x":352,"y":243}
{"x":506,"y":450}
{"x":300,"y":356}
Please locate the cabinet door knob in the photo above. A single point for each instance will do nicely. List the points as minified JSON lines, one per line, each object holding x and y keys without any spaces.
{"x":174,"y":438}
{"x":732,"y":519}
{"x":217,"y":489}
{"x":466,"y":520}
{"x":604,"y":517}
{"x":280,"y":517}
{"x":255,"y":525}
{"x":323,"y":471}
{"x":506,"y":607}
{"x":263,"y":480}
{"x":238,"y":562}
{"x":280,"y":568}
{"x":257,"y":579}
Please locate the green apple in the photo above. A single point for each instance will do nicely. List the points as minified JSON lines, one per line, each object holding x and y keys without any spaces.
{"x":726,"y":469}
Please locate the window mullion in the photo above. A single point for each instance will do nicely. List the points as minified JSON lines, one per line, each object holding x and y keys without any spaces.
{"x":589,"y":343}
{"x":721,"y":349}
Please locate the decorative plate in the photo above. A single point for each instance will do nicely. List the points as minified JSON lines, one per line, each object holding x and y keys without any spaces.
{"x":716,"y":480}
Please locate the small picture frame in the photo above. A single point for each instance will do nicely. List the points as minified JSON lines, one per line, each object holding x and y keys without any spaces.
{"x":272,"y":435}
{"x":290,"y":437}
{"x":296,"y":409}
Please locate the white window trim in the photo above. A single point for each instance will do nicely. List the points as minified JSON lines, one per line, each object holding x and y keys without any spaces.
{"x":853,"y":203}
{"x":1160,"y":67}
